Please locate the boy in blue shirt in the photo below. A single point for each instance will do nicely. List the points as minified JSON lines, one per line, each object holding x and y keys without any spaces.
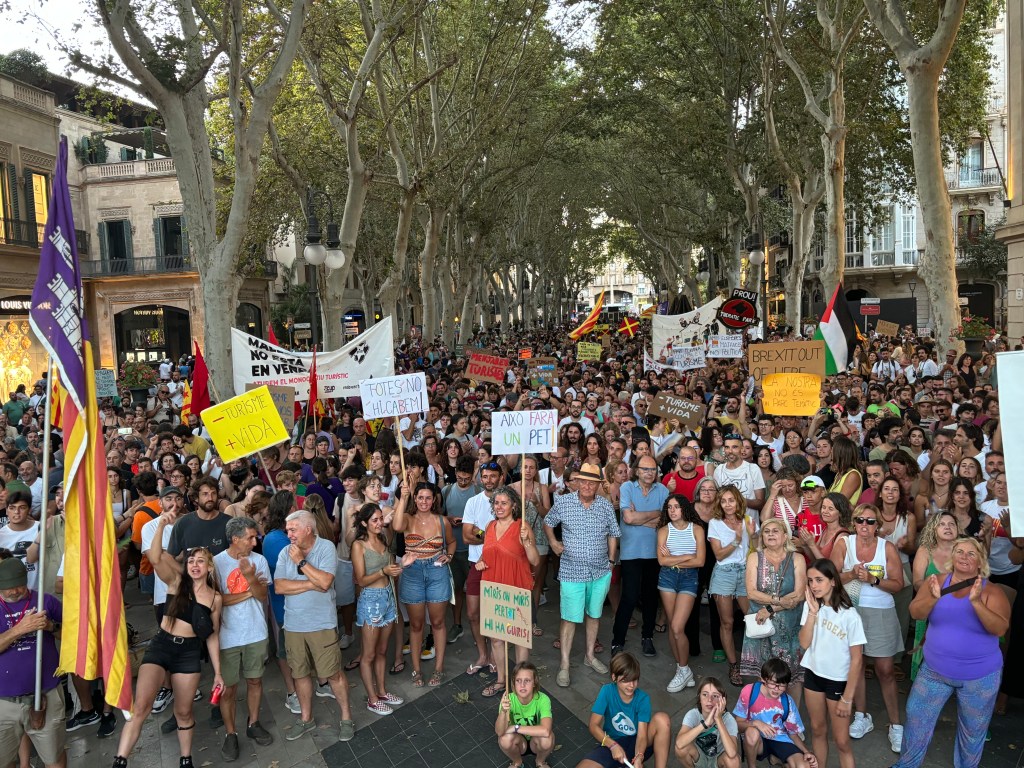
{"x":770,"y":720}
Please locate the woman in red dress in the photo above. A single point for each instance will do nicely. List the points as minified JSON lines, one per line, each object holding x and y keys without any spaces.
{"x":509,"y":556}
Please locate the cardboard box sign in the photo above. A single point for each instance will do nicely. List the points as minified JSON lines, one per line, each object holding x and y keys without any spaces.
{"x":786,"y":357}
{"x":689,"y":413}
{"x":487,"y":368}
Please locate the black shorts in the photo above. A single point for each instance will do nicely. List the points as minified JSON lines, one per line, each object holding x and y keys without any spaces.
{"x":178,"y":655}
{"x":603,"y":755}
{"x":833,"y":689}
{"x":783,"y":750}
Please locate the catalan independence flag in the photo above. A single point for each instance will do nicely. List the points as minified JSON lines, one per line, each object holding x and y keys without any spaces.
{"x":588,"y":325}
{"x":94,"y":639}
{"x":186,"y":402}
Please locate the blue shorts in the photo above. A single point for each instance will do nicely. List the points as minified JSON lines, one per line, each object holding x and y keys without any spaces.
{"x":729,"y":580}
{"x":603,"y":755}
{"x":375,"y":608}
{"x":579,"y":597}
{"x":424,"y":582}
{"x":146,"y":583}
{"x":681,"y":581}
{"x":780,"y":749}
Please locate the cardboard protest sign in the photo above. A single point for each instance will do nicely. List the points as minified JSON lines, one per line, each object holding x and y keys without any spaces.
{"x":606,"y":342}
{"x":506,"y":613}
{"x":791,"y":394}
{"x":542,"y":370}
{"x":284,"y":401}
{"x":394,"y":396}
{"x":688,"y":358}
{"x":245,"y":424}
{"x":887,"y":328}
{"x":726,"y":345}
{"x":786,"y":357}
{"x":525,"y":354}
{"x":523,"y":432}
{"x":588,"y":350}
{"x":487,"y":368}
{"x":689,"y":413}
{"x":106,"y":383}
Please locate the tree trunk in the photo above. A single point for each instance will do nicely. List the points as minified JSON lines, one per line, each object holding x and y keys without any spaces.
{"x":831,"y":273}
{"x":803,"y":236}
{"x":392,"y":287}
{"x":428,"y":257}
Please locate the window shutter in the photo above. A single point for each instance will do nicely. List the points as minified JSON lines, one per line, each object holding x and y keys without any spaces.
{"x":186,"y":254}
{"x":12,"y":187}
{"x":128,"y":240}
{"x":101,"y":234}
{"x":158,"y":238}
{"x":30,"y":202}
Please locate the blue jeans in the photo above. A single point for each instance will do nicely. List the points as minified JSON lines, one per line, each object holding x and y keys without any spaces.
{"x":678,"y":580}
{"x":425,"y":582}
{"x":975,"y":700}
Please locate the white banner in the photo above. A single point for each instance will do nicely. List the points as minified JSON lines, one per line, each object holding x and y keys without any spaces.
{"x":369,"y":355}
{"x":670,"y":332}
{"x":688,"y":358}
{"x":1010,"y":366}
{"x":393,"y":395}
{"x":726,"y":345}
{"x":523,"y":432}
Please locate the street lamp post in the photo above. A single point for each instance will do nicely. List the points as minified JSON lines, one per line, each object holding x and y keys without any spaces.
{"x":703,"y":275}
{"x":756,"y":256}
{"x":315,"y":253}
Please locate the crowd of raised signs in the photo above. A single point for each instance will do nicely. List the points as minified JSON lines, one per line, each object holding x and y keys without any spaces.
{"x":864,"y":545}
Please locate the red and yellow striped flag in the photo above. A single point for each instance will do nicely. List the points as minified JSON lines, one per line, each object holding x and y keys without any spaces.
{"x":55,"y":398}
{"x":186,"y":402}
{"x":588,"y":325}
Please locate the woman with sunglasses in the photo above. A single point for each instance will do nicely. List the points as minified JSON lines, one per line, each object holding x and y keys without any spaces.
{"x":873,"y":564}
{"x":966,"y":614}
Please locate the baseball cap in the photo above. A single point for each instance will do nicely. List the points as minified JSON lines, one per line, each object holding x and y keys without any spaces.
{"x":168,"y":490}
{"x":810,"y":482}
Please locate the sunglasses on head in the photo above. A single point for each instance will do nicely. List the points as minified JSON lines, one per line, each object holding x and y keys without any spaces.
{"x":492,"y":465}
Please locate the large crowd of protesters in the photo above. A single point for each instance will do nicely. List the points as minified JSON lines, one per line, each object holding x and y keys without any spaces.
{"x":863,"y":546}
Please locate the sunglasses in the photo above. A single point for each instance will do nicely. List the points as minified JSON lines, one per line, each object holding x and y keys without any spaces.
{"x":493,"y":466}
{"x":865,"y":520}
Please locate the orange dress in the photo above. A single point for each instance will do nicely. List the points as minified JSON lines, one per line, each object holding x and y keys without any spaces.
{"x":506,"y":558}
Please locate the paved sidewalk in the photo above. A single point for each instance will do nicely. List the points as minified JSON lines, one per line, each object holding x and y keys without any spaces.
{"x":423,"y":731}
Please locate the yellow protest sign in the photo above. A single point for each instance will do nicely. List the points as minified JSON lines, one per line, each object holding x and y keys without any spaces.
{"x":588,"y":350}
{"x":791,"y":394}
{"x":505,"y":613}
{"x":245,"y":424}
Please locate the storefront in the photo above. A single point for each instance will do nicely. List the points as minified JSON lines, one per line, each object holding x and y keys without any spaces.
{"x":353,"y":323}
{"x":22,"y":357}
{"x":152,"y":333}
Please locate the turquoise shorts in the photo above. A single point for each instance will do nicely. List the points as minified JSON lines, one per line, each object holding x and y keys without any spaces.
{"x":578,"y":597}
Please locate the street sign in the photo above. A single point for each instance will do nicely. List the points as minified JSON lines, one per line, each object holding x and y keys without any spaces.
{"x":870,"y":309}
{"x":302,"y":326}
{"x":303,"y":334}
{"x":870,"y":301}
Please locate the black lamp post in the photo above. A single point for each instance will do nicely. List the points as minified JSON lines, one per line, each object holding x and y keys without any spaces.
{"x":316,"y":254}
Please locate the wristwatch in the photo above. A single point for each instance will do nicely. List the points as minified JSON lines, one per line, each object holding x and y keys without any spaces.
{"x":301,"y":565}
{"x":877,"y":581}
{"x":515,"y":728}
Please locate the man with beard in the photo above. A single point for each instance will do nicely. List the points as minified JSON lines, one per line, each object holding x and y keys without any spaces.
{"x":576,"y":415}
{"x":744,"y":475}
{"x":475,"y":519}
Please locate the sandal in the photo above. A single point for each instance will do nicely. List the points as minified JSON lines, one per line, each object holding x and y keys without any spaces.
{"x":354,"y":664}
{"x":734,"y":674}
{"x":598,"y":647}
{"x":556,"y":644}
{"x":492,"y":690}
{"x":662,"y":628}
{"x":417,"y":679}
{"x":397,"y":669}
{"x":436,"y":679}
{"x":537,"y":631}
{"x":474,"y":669}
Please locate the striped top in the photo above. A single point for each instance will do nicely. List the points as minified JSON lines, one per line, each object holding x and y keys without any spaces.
{"x":422,"y":547}
{"x":681,"y":541}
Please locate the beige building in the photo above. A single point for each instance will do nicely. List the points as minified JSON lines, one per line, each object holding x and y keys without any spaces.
{"x":1013,"y":231}
{"x":143,"y":294}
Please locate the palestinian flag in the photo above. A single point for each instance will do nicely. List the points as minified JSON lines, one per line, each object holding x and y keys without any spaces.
{"x":839,"y":332}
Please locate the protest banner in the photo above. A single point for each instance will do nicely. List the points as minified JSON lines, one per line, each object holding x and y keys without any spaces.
{"x":786,"y":357}
{"x":523,"y":432}
{"x":284,"y":401}
{"x":887,"y":328}
{"x":394,"y":396}
{"x":106,"y":383}
{"x":726,"y":345}
{"x":689,"y":413}
{"x":1011,"y":368}
{"x":588,"y":350}
{"x":687,"y":358}
{"x":506,"y":613}
{"x":791,"y":394}
{"x":606,"y":342}
{"x":525,"y":354}
{"x":672,"y":332}
{"x":542,"y":370}
{"x":338,"y":372}
{"x":487,"y":368}
{"x":244,"y":424}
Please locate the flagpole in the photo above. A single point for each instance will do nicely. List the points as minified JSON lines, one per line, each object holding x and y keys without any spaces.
{"x":41,"y":565}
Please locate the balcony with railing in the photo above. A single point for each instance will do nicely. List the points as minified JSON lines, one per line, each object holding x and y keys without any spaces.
{"x":29,"y":234}
{"x":973,"y":178}
{"x":130,"y":169}
{"x":142,"y":266}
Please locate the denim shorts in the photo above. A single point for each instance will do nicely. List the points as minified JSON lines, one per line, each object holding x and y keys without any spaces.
{"x":146,"y":583}
{"x":678,"y":580}
{"x":424,"y":582}
{"x":375,"y":608}
{"x":729,"y":580}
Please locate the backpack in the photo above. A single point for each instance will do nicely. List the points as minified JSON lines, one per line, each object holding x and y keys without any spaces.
{"x":755,"y":691}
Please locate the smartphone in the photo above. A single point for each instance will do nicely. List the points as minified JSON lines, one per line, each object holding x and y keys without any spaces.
{"x":124,"y":430}
{"x":533,"y":393}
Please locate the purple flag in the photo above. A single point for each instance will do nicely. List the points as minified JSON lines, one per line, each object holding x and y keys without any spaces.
{"x":58,"y":308}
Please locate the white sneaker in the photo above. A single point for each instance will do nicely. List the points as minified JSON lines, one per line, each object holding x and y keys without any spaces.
{"x":682,"y":679}
{"x":861,"y":726}
{"x":346,"y":641}
{"x":896,"y":738}
{"x":163,"y":697}
{"x":291,"y":703}
{"x":324,"y":691}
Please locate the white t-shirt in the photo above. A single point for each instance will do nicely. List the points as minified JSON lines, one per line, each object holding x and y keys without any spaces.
{"x":243,"y":623}
{"x":584,"y":421}
{"x":478,"y":513}
{"x":834,"y":633}
{"x":747,"y":477}
{"x":547,"y":477}
{"x":148,"y":532}
{"x":18,"y":543}
{"x":724,"y":535}
{"x":417,"y":432}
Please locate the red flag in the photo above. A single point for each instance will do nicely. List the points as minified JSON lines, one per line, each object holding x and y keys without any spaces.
{"x":629,"y":327}
{"x":313,"y":394}
{"x":270,"y":335}
{"x":56,"y":419}
{"x":200,"y":383}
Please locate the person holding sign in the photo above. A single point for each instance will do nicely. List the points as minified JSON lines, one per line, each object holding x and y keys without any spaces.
{"x":509,"y":556}
{"x":524,"y":719}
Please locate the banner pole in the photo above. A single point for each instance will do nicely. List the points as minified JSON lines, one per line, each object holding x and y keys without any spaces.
{"x":522,"y":491}
{"x":47,"y":440}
